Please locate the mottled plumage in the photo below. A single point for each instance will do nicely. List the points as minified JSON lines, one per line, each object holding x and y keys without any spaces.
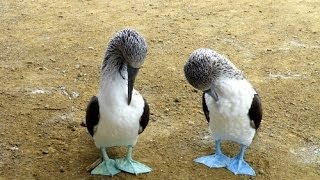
{"x":127,"y":46}
{"x":205,"y":66}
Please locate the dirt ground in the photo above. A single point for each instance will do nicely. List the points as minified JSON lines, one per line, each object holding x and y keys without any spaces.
{"x":50,"y":57}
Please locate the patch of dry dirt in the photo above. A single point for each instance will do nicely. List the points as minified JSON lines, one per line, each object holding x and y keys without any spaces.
{"x":50,"y":56}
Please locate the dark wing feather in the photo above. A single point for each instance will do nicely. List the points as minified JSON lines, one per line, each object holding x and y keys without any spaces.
{"x":205,"y":107}
{"x":92,"y":114}
{"x":145,"y":117}
{"x":255,"y":111}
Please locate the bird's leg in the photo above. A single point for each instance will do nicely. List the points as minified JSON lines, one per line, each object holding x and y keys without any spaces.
{"x":107,"y":166}
{"x":238,"y":165}
{"x":216,"y":160}
{"x":129,"y":165}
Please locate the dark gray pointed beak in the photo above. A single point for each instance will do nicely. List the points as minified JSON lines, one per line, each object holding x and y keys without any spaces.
{"x":132,"y":73}
{"x":212,"y":93}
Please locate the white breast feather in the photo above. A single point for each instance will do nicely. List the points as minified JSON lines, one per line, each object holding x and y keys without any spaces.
{"x":119,"y":123}
{"x":229,"y":118}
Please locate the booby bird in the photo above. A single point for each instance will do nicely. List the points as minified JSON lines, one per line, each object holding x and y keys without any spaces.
{"x":118,"y":113}
{"x":231,"y":106}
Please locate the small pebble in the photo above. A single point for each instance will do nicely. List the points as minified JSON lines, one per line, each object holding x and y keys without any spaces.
{"x":75,"y":95}
{"x":61,"y":169}
{"x":261,"y":171}
{"x":177,"y":100}
{"x":80,"y":75}
{"x":190,"y":122}
{"x":14,"y":148}
{"x":44,"y":151}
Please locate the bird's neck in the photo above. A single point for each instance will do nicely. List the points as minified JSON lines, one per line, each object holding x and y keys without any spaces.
{"x":228,"y":74}
{"x":113,"y":63}
{"x":225,"y":69}
{"x":114,"y":83}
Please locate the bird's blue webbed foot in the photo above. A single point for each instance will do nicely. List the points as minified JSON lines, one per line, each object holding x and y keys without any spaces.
{"x":106,"y":167}
{"x":214,"y":161}
{"x":217,"y":160}
{"x":238,"y":165}
{"x":129,"y":165}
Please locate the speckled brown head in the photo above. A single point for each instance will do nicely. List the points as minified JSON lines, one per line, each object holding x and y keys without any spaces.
{"x":128,"y":46}
{"x":126,"y":49}
{"x":205,"y":66}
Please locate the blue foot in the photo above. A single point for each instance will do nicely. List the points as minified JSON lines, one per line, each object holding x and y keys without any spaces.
{"x":218,"y":160}
{"x":214,"y":161}
{"x":129,"y":165}
{"x":132,"y":166}
{"x":106,"y":168}
{"x":238,"y":165}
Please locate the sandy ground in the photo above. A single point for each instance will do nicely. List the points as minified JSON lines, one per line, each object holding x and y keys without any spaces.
{"x":50,"y":56}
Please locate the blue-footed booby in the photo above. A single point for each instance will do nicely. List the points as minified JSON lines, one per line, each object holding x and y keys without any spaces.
{"x":231,"y":106}
{"x":118,"y":113}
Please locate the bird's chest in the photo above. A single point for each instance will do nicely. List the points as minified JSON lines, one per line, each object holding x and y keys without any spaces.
{"x":116,"y":113}
{"x":229,"y":115}
{"x":235,"y":98}
{"x":119,"y":122}
{"x":228,"y":111}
